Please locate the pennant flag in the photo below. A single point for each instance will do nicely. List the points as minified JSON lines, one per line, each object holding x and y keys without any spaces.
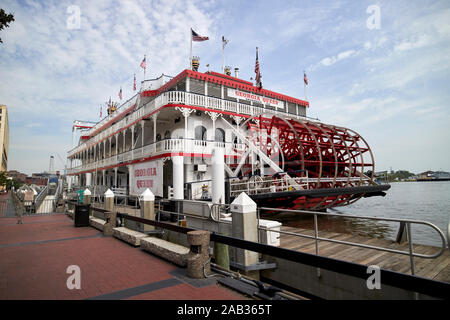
{"x":120,"y":93}
{"x":143,"y":63}
{"x":258,"y":74}
{"x":305,"y":78}
{"x":134,"y":83}
{"x":196,"y":37}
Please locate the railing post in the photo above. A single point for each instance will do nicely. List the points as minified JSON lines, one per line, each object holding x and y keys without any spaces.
{"x":411,"y":249}
{"x":316,"y":235}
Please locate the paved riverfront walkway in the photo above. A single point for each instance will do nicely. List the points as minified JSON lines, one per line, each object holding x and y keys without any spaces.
{"x":34,"y":257}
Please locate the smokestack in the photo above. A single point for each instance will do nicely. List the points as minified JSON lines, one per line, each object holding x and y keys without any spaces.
{"x":236,"y":72}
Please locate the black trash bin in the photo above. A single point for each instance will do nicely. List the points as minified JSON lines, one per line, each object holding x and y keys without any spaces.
{"x":82,"y":215}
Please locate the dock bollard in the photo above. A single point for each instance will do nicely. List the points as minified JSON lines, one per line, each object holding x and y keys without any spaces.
{"x":245,"y":226}
{"x":198,"y":257}
{"x":148,"y":208}
{"x":87,"y":196}
{"x":110,"y":215}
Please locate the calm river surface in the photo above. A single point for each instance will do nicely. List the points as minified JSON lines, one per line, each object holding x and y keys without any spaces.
{"x":428,"y":201}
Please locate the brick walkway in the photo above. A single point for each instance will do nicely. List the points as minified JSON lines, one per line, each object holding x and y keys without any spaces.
{"x":34,"y":257}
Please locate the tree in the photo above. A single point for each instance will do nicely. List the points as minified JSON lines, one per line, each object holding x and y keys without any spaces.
{"x":5,"y":19}
{"x":3,"y":179}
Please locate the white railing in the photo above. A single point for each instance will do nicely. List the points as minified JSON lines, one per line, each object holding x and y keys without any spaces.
{"x":171,"y":97}
{"x":160,"y":147}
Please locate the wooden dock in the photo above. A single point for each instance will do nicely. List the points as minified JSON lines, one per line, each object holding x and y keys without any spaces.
{"x":437,"y":269}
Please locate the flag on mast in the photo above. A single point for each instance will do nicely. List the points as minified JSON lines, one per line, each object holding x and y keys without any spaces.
{"x":144,"y":63}
{"x":197,"y":37}
{"x":305,"y":78}
{"x":120,"y":93}
{"x":134,"y":83}
{"x":100,"y":111}
{"x":258,"y":73}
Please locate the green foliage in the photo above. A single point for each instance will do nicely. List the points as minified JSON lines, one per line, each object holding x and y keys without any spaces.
{"x":399,"y":175}
{"x":3,"y":179}
{"x":5,"y":20}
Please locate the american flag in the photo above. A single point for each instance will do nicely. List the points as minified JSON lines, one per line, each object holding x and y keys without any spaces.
{"x":120,"y":94}
{"x":305,"y":78}
{"x":143,"y":64}
{"x":134,"y":83}
{"x":100,"y":112}
{"x":196,"y":37}
{"x":258,"y":74}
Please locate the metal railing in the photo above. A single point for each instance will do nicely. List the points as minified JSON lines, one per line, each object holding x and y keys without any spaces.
{"x":40,"y":198}
{"x":407,"y":223}
{"x":398,"y":280}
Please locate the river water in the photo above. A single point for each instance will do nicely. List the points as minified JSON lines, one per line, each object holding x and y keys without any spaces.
{"x":428,"y":201}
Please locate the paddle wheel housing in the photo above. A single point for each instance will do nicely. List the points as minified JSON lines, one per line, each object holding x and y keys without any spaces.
{"x":325,"y":156}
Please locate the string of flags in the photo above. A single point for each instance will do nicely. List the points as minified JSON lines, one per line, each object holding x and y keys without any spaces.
{"x":199,"y":38}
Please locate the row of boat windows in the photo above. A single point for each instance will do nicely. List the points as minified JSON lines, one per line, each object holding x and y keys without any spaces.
{"x":200,"y":134}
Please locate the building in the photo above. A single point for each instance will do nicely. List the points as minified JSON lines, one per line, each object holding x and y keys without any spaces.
{"x":19,"y":176}
{"x":4,"y":138}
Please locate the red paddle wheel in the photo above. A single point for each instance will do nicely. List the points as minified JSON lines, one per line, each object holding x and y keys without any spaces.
{"x":331,"y":157}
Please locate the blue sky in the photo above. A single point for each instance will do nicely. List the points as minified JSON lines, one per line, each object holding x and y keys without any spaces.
{"x":389,"y":84}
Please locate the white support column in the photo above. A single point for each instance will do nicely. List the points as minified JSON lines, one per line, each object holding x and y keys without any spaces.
{"x":124,"y":140}
{"x":115,"y":176}
{"x":88,"y":179}
{"x":110,"y":147}
{"x":103,"y":176}
{"x":218,"y":176}
{"x":117,"y":144}
{"x":132,"y":142}
{"x":178,"y":177}
{"x":188,"y":84}
{"x":142,"y":136}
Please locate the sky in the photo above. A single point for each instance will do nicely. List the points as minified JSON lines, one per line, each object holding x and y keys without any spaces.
{"x":380,"y":68}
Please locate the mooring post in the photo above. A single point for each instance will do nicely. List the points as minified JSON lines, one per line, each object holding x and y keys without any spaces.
{"x":148,"y":208}
{"x":221,"y":254}
{"x":110,"y":215}
{"x":245,"y":227}
{"x":198,"y":263}
{"x":87,"y":196}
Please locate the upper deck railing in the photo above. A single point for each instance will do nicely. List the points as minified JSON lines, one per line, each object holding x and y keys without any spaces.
{"x":175,"y":97}
{"x":160,"y":147}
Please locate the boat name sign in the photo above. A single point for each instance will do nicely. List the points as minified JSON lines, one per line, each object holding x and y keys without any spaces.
{"x":233,"y":93}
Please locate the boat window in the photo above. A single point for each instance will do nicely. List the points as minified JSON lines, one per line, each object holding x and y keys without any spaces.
{"x":200,"y":133}
{"x":220,"y":135}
